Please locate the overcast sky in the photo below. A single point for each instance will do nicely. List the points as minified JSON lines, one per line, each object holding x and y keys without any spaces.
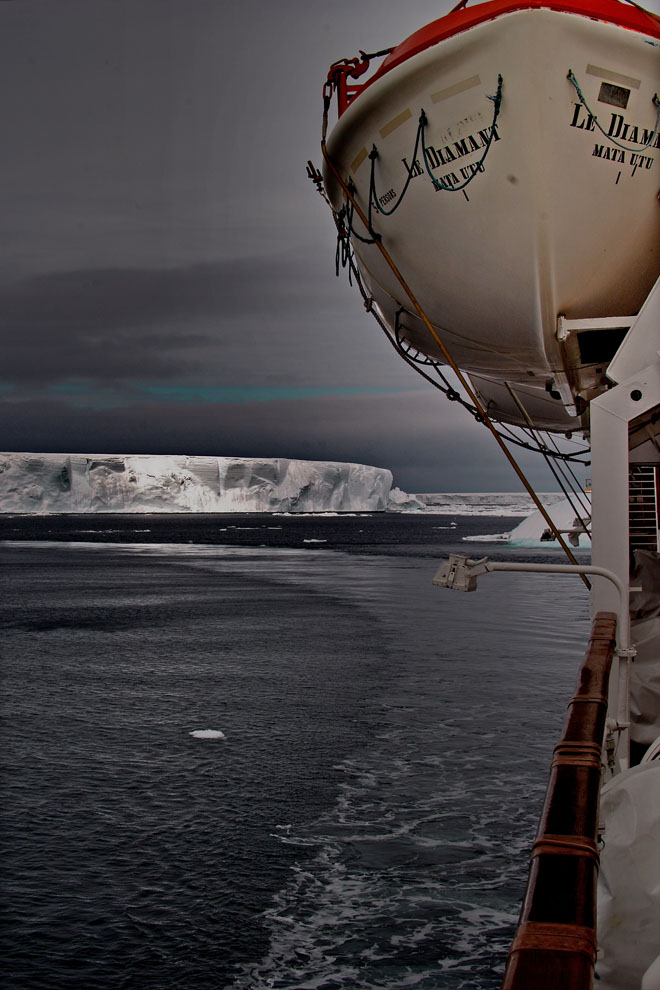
{"x":167,"y":274}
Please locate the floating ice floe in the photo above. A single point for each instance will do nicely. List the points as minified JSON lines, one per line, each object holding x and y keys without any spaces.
{"x":207,"y":734}
{"x":488,"y":538}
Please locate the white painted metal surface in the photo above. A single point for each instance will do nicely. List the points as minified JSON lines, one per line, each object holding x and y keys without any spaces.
{"x":561,"y":221}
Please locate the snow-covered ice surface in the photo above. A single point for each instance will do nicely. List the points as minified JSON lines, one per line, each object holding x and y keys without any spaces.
{"x":485,"y":503}
{"x":399,"y":501}
{"x":39,"y":484}
{"x":528,"y":533}
{"x":60,"y":483}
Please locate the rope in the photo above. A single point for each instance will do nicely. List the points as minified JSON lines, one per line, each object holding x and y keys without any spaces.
{"x":414,"y":360}
{"x":448,"y":358}
{"x":625,"y":147}
{"x":479,"y":167}
{"x":373,"y":196}
{"x":374,"y":202}
{"x":349,"y":220}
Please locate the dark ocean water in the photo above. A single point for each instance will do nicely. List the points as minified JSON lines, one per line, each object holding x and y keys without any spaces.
{"x":366,"y":820}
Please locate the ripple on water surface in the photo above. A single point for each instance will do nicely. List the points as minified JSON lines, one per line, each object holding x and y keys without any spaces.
{"x":363,"y":819}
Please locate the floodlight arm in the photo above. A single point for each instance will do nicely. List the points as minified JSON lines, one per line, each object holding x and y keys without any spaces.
{"x":460,"y":573}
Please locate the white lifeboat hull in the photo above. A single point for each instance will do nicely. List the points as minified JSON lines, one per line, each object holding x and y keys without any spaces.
{"x":559,"y":220}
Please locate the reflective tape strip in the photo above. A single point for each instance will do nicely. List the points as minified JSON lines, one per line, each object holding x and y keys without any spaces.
{"x":460,"y":87}
{"x":359,"y":158}
{"x":615,"y":77}
{"x":395,"y":122}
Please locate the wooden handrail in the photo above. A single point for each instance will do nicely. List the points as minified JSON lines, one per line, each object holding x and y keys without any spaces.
{"x":555,"y":944}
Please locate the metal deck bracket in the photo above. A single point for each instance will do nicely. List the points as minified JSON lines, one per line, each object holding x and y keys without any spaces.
{"x":566,"y":327}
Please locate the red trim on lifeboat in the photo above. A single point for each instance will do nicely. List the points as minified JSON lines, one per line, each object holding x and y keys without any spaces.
{"x":624,"y":15}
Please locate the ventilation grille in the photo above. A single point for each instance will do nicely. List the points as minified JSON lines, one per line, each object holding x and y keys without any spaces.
{"x":644,"y":522}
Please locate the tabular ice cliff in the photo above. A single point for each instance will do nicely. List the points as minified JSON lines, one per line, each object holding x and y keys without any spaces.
{"x":59,"y":483}
{"x":485,"y":503}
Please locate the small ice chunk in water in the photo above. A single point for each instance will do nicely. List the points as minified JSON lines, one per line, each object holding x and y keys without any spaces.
{"x":207,"y":734}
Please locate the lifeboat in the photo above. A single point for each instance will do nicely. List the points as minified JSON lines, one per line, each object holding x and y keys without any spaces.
{"x":506,"y":157}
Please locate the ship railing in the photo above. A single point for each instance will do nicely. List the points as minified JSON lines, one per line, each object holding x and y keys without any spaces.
{"x":555,"y":943}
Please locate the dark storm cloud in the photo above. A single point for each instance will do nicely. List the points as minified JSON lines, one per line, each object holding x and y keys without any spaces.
{"x":160,"y":240}
{"x":131,"y":323}
{"x":125,"y":322}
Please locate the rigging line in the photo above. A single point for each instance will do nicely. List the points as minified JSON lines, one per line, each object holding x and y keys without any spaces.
{"x":411,"y":363}
{"x":450,"y":361}
{"x":368,"y":303}
{"x":529,"y":442}
{"x":579,"y":491}
{"x":556,"y":469}
{"x":565,"y":468}
{"x":418,"y":357}
{"x":532,"y":443}
{"x":447,"y":389}
{"x":567,"y":491}
{"x":584,"y":447}
{"x":542,"y":446}
{"x":458,"y":337}
{"x":510,"y":429}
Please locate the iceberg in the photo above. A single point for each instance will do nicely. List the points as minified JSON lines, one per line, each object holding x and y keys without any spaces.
{"x":531,"y":530}
{"x":39,"y":484}
{"x":399,"y":501}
